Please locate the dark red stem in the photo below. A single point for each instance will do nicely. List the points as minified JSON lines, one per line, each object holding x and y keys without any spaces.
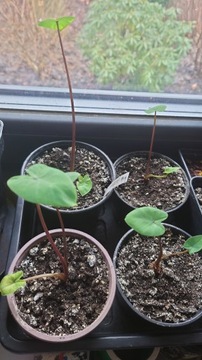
{"x":151,"y":148}
{"x":64,"y":235}
{"x":157,"y":262}
{"x":72,"y":161}
{"x":50,"y":239}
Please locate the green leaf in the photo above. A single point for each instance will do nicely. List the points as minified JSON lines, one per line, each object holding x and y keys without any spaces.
{"x":84,"y":184}
{"x":157,"y":108}
{"x":147,"y":221}
{"x":45,"y":185}
{"x":170,"y":169}
{"x":63,"y":22}
{"x":193,"y":244}
{"x":73,"y":175}
{"x":11,"y":282}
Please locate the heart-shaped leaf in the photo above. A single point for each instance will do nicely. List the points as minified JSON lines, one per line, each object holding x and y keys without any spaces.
{"x":11,"y":282}
{"x":193,"y":244}
{"x":73,"y":175}
{"x":170,"y":169}
{"x":157,"y":108}
{"x":45,"y":185}
{"x":147,"y":221}
{"x":84,"y":184}
{"x":62,"y":22}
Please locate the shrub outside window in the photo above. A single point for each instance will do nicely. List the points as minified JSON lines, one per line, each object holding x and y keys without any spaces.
{"x":117,"y":45}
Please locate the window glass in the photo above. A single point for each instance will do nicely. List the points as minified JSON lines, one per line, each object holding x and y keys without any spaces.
{"x":130,"y":45}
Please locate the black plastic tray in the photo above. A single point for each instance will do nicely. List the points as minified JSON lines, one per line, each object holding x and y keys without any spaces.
{"x":191,"y":158}
{"x":195,"y":182}
{"x":7,"y":213}
{"x":118,"y":330}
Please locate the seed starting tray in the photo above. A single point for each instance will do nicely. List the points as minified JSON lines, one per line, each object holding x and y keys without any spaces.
{"x":119,"y":329}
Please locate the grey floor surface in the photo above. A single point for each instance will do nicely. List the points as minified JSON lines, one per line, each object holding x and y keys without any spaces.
{"x":191,"y":353}
{"x":6,"y":355}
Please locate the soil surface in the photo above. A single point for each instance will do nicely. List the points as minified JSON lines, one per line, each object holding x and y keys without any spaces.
{"x":193,"y":162}
{"x":165,"y":192}
{"x":56,"y":307}
{"x":181,"y":353}
{"x":198,"y":192}
{"x":175,"y":295}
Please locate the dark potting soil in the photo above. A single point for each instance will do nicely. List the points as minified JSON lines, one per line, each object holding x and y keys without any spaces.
{"x":198,"y":192}
{"x":173,"y":296}
{"x":194,"y":164}
{"x":180,"y":353}
{"x":165,"y":193}
{"x":58,"y":308}
{"x":86,"y":162}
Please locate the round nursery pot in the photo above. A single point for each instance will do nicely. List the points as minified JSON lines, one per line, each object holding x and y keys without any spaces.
{"x":2,"y":189}
{"x":57,"y":311}
{"x":196,"y":204}
{"x":196,"y":186}
{"x":3,"y":205}
{"x":167,"y":193}
{"x":131,"y":354}
{"x":171,"y":299}
{"x":89,"y":160}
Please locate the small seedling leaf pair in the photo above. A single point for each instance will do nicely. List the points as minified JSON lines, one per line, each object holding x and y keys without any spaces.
{"x":170,"y":170}
{"x":62,"y":22}
{"x":193,"y":244}
{"x":11,"y":283}
{"x":84,"y":184}
{"x":157,"y":108}
{"x":167,"y":171}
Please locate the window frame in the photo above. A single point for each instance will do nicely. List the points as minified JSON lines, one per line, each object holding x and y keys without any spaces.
{"x":108,"y":119}
{"x":98,"y":101}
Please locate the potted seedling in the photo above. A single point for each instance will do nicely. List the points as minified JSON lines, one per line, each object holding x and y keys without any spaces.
{"x":196,"y":186}
{"x":192,"y":161}
{"x":153,"y":179}
{"x":195,"y":203}
{"x":159,"y":269}
{"x":92,"y":163}
{"x":61,"y":271}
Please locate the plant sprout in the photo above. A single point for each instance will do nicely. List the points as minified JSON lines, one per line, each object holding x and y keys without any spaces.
{"x":147,"y":221}
{"x":167,"y":171}
{"x":11,"y":283}
{"x":45,"y":185}
{"x":58,"y":25}
{"x":84,"y":183}
{"x":153,"y":110}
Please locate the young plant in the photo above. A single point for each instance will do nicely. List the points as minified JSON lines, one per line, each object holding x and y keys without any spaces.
{"x":58,"y":25}
{"x":166,"y":171}
{"x":153,"y":110}
{"x":84,"y":183}
{"x":48,"y":186}
{"x":11,"y":283}
{"x":147,"y":221}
